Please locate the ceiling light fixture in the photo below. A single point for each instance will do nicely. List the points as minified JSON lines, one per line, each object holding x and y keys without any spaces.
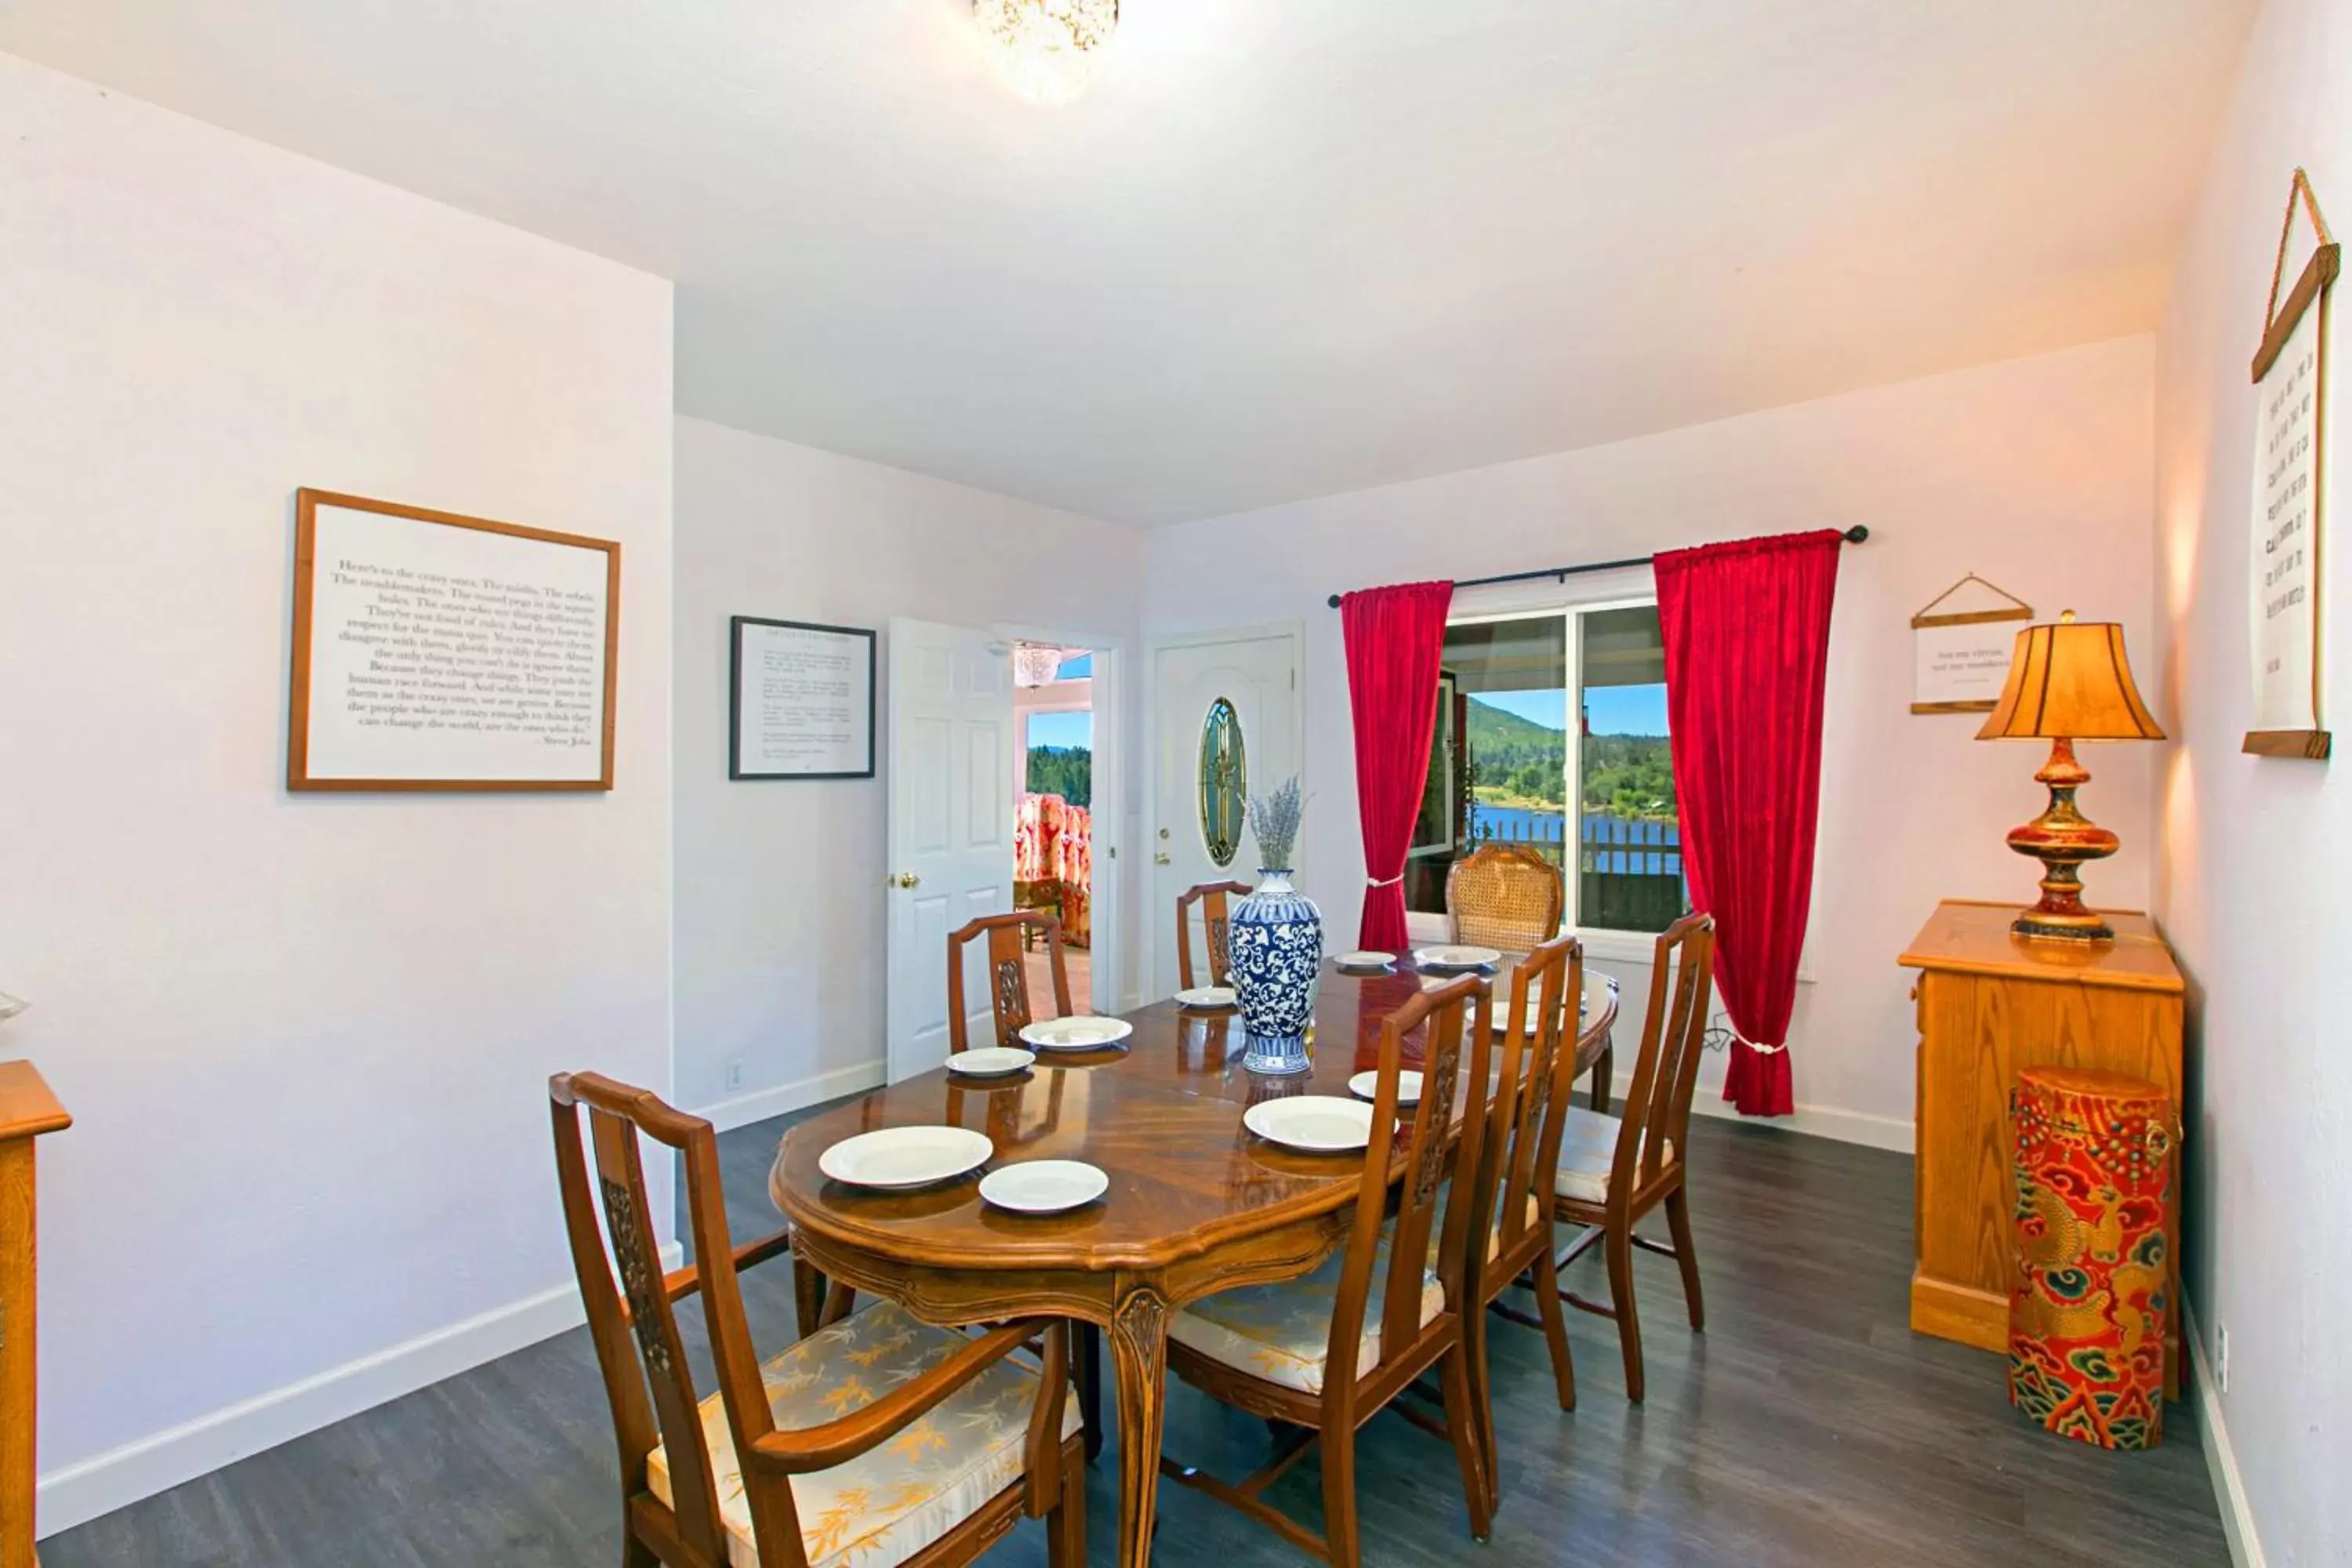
{"x":1044,"y":48}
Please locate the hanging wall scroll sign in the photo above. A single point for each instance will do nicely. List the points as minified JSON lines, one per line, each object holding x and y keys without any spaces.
{"x":1963,"y":642}
{"x":2288,"y":521}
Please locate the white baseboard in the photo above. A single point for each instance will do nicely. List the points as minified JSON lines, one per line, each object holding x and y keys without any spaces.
{"x":100,"y":1484}
{"x":2221,"y":1460}
{"x":1815,"y":1121}
{"x":801,"y":1093}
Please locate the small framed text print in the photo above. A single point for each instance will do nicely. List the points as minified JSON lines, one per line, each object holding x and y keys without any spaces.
{"x":2289,"y":524}
{"x":1961,"y":643}
{"x":800,"y":701}
{"x":439,"y":652}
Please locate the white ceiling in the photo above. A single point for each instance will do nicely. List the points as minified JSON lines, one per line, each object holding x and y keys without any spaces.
{"x":1283,"y":247}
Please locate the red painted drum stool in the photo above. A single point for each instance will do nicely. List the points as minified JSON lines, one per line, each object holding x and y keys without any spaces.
{"x":2087,"y":1323}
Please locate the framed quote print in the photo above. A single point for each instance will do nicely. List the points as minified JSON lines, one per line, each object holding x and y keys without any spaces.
{"x":1961,"y":641}
{"x":439,"y":652}
{"x":800,"y":701}
{"x":2288,"y":524}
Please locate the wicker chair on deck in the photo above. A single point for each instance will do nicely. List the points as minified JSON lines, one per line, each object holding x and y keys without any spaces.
{"x":1509,"y":896}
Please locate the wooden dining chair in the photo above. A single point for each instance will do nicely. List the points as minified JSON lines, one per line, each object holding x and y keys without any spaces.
{"x":873,"y":1441}
{"x":1509,"y":896}
{"x":1008,"y":974}
{"x":1614,"y":1170}
{"x":1504,"y":896}
{"x":1322,"y":1355}
{"x":1215,"y":923}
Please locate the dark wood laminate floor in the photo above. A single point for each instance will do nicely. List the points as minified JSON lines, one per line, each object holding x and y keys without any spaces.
{"x":1807,"y":1426}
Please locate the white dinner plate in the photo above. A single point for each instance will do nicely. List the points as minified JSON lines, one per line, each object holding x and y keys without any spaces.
{"x":1368,"y":1084}
{"x":905,"y":1156}
{"x":1367,"y":959}
{"x":1206,"y":996}
{"x":1456,"y":957}
{"x":1044,"y":1186}
{"x":1315,"y":1123}
{"x":1081,"y":1032}
{"x":990,"y":1061}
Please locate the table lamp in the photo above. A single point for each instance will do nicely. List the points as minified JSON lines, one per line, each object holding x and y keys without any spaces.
{"x":2067,"y":682}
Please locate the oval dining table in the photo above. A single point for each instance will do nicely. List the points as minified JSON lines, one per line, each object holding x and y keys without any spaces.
{"x":1196,"y":1205}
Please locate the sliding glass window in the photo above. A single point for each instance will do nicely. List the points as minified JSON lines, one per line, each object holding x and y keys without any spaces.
{"x":1551,"y":732}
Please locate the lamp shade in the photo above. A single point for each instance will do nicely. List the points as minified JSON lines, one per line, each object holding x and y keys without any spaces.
{"x":2069,"y":678}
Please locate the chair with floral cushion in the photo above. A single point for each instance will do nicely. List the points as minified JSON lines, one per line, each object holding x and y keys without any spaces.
{"x":1321,"y":1355}
{"x":1614,"y":1170}
{"x":877,"y":1440}
{"x":1008,"y":976}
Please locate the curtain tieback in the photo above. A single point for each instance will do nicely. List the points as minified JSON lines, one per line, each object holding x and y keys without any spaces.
{"x":1762,"y":1050}
{"x":1384,"y":881}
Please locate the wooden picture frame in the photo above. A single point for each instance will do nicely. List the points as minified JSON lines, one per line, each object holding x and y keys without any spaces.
{"x":467,"y":719}
{"x":813,"y":710}
{"x":1949,"y":654}
{"x":2286,"y":627}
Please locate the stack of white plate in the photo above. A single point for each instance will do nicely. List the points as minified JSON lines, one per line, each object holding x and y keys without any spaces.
{"x":894,"y":1158}
{"x":1456,"y":959}
{"x":1312,"y":1123}
{"x":1044,"y":1186}
{"x":1080,"y":1032}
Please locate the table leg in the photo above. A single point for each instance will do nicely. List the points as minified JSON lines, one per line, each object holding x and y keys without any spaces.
{"x":1088,"y":1348}
{"x":1139,"y":1346}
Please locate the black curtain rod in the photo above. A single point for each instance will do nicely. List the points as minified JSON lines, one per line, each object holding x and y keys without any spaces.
{"x":1854,"y":535}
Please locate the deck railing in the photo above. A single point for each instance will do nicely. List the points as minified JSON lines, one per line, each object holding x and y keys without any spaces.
{"x":1629,"y":869}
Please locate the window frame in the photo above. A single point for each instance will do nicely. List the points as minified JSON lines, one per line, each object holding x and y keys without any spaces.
{"x":1632,"y":589}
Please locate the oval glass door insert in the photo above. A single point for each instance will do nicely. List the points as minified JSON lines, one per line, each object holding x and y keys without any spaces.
{"x":1225,"y":782}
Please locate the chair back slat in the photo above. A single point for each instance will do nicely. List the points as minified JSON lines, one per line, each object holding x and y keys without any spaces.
{"x":1215,"y":928}
{"x":1531,"y":1092}
{"x":1505,"y":896}
{"x":1454,"y":1057}
{"x":1657,"y":1123}
{"x":1010,"y":1009}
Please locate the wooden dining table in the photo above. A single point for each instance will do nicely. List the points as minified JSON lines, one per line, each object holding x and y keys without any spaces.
{"x":1196,"y":1205}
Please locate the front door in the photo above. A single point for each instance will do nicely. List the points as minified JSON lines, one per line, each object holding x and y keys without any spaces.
{"x":950,"y":736}
{"x":1226,"y":722}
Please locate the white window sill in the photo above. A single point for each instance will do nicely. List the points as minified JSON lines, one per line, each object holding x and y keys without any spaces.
{"x":1641,"y":947}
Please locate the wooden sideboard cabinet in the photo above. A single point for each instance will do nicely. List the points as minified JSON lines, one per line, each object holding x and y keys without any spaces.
{"x":1991,"y":1004}
{"x":27,"y":1109}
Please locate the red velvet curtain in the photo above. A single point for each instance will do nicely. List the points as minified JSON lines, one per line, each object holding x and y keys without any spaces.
{"x":1747,"y":630}
{"x":1396,"y":638}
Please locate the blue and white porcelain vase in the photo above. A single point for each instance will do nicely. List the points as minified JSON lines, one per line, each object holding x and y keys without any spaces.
{"x":1276,"y":943}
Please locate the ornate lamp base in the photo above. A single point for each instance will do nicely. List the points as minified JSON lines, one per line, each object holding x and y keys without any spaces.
{"x":2061,"y":838}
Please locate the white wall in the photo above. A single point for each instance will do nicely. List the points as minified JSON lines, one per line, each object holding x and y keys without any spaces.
{"x":2258,"y":851}
{"x":305,"y":1040}
{"x":2036,"y":473}
{"x":780,"y":899}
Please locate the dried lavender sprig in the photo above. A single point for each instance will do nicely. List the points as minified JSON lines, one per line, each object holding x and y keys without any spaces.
{"x":1273,"y":817}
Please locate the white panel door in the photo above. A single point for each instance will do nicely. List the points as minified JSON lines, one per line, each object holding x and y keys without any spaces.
{"x":950,"y":739}
{"x":1257,"y":672}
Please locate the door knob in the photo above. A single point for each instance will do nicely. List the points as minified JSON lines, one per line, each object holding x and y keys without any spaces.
{"x":904,"y":879}
{"x":1159,"y":859}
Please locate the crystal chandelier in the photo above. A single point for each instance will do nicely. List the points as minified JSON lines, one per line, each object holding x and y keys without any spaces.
{"x":1035,"y":664}
{"x":1044,"y":48}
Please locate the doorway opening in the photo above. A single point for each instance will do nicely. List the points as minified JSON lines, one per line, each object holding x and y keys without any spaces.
{"x":1054,"y":806}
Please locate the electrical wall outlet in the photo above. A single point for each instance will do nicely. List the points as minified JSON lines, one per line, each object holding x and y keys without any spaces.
{"x":2222,"y":1356}
{"x":735,"y":1075}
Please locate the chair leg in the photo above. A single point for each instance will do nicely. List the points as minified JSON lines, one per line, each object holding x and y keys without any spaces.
{"x":1065,"y":1526}
{"x":1618,"y":1247}
{"x":1555,"y":1328}
{"x":1604,"y":1075}
{"x":1679,"y":1221}
{"x":1339,"y":1500}
{"x":635,"y":1553}
{"x":1482,"y":1405}
{"x":1464,"y":1422}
